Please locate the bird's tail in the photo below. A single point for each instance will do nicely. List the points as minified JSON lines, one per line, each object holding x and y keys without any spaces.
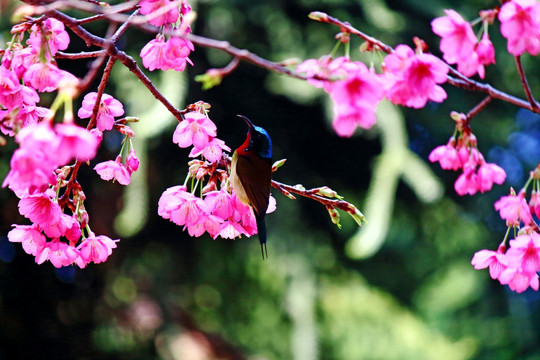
{"x":261,"y":233}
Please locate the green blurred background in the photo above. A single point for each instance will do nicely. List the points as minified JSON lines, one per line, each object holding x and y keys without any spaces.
{"x":402,"y":288}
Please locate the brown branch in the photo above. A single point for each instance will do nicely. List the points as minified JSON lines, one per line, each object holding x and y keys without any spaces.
{"x":101,"y":90}
{"x":346,"y":27}
{"x":81,"y":55}
{"x":92,"y":74}
{"x":333,"y":203}
{"x":474,"y":111}
{"x":525,"y":83}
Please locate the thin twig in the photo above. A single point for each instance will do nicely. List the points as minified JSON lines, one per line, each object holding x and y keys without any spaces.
{"x":81,"y":55}
{"x":481,"y":105}
{"x":345,"y":26}
{"x":525,"y":83}
{"x":336,"y":203}
{"x":91,"y":75}
{"x":101,"y":90}
{"x":124,"y":26}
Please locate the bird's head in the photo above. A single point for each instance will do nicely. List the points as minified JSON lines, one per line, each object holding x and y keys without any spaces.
{"x":257,"y":141}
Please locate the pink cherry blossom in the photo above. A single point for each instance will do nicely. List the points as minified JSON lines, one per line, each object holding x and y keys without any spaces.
{"x":485,"y":51}
{"x":355,"y":98}
{"x":177,"y":51}
{"x":514,"y":208}
{"x":75,"y":142}
{"x":21,"y":117}
{"x":412,"y":80}
{"x":9,"y":89}
{"x":154,"y":54}
{"x":488,"y":174}
{"x":231,"y":229}
{"x":534,"y":203}
{"x":44,"y":77}
{"x":458,"y":39}
{"x":467,"y":182}
{"x":67,"y":226}
{"x":316,"y":69}
{"x":96,"y":249}
{"x":520,"y":21}
{"x":495,"y":260}
{"x":189,"y":210}
{"x":132,"y":161}
{"x":524,"y":253}
{"x":197,"y":130}
{"x":114,"y":170}
{"x":518,"y":281}
{"x":29,"y":171}
{"x":32,"y":240}
{"x":212,"y":151}
{"x":56,"y":37}
{"x":170,"y":199}
{"x":205,"y":223}
{"x":108,"y":109}
{"x":154,"y":10}
{"x":244,"y":215}
{"x":58,"y":253}
{"x":182,"y":207}
{"x":166,"y":55}
{"x":447,"y":156}
{"x":40,"y":209}
{"x":221,"y":203}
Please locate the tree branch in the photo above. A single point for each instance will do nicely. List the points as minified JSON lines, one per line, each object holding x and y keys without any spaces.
{"x":525,"y":83}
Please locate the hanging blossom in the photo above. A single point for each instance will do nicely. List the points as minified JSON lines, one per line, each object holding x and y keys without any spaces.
{"x":39,"y":168}
{"x":42,"y":150}
{"x":160,"y":12}
{"x":409,"y":79}
{"x":354,"y":89}
{"x":462,"y":154}
{"x":216,"y":210}
{"x":199,"y":131}
{"x":108,"y":109}
{"x":460,"y":46}
{"x":167,"y":53}
{"x":412,"y":79}
{"x":34,"y":65}
{"x":516,"y":262}
{"x":517,"y":267}
{"x":520,"y":24}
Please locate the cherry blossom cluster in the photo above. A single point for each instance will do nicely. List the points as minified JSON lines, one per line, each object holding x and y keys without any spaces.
{"x":25,"y":70}
{"x":461,"y":153}
{"x":410,"y":79}
{"x":172,"y":53}
{"x":516,"y":262}
{"x":40,"y":173}
{"x":209,"y":204}
{"x":460,"y":45}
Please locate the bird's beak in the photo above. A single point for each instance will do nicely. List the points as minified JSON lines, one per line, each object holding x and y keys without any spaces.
{"x":250,"y":124}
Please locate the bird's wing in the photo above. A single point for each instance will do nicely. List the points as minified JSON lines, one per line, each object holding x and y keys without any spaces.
{"x":255,"y":176}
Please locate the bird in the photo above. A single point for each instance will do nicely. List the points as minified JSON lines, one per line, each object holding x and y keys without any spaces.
{"x":251,"y":175}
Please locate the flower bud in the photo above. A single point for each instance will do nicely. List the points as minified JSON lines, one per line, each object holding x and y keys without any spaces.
{"x":278,"y":164}
{"x":132,"y":161}
{"x":318,"y":16}
{"x":327,"y":192}
{"x":334,"y":215}
{"x":357,"y":215}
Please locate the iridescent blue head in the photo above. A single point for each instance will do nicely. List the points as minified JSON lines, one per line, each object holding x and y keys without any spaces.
{"x":257,"y":141}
